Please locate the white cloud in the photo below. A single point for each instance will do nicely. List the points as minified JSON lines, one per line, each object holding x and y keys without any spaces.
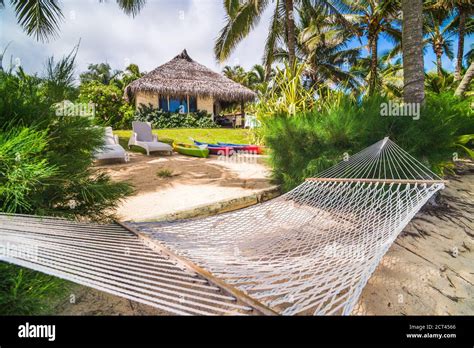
{"x":159,"y":32}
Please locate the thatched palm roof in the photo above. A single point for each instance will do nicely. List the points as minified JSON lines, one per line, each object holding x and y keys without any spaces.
{"x":183,"y":76}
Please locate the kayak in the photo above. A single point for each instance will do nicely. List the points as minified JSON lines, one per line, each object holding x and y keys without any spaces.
{"x":215,"y":149}
{"x":244,"y":147}
{"x":191,"y":150}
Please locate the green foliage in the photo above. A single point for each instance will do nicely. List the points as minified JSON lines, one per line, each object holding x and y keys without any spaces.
{"x":101,"y":73}
{"x":25,"y":292}
{"x":164,"y":173}
{"x":110,"y":107}
{"x":46,"y":169}
{"x":68,"y":145}
{"x":309,"y":142}
{"x":162,"y":120}
{"x":22,"y":171}
{"x":288,"y":94}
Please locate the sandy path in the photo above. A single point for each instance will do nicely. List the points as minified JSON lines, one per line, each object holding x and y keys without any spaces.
{"x":430,"y":267}
{"x":193,"y":182}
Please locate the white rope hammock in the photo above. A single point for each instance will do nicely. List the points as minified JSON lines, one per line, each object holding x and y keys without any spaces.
{"x":312,"y":250}
{"x":111,"y":258}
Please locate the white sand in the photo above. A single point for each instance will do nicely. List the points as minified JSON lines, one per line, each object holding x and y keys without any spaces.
{"x":194,"y":182}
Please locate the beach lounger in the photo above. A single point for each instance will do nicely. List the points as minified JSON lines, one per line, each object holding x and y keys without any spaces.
{"x":112,"y":148}
{"x":143,"y":137}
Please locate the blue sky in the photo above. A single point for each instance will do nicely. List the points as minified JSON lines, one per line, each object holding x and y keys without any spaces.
{"x":161,"y":31}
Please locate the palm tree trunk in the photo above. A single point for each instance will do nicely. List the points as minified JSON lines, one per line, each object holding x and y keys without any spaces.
{"x":466,"y":80}
{"x":461,"y":32}
{"x":373,"y":64}
{"x":290,"y":27}
{"x":412,"y":39}
{"x":439,"y":64}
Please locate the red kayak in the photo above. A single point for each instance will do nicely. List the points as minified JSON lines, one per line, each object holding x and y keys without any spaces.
{"x":214,"y":149}
{"x":244,"y":147}
{"x":221,"y":150}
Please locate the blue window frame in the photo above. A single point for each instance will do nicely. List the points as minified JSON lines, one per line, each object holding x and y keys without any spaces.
{"x":192,"y":104}
{"x":163,"y":103}
{"x":177,"y":104}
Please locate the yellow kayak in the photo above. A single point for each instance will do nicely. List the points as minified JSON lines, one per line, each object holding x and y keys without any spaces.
{"x":191,"y":150}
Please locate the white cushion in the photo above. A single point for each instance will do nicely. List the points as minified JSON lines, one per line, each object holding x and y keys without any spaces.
{"x":156,"y":146}
{"x":111,"y":151}
{"x":109,"y":136}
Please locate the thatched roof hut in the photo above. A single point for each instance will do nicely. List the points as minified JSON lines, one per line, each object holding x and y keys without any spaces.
{"x":183,"y":77}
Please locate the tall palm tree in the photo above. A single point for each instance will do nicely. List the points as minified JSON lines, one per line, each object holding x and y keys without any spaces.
{"x":374,"y":18}
{"x":243,"y":15}
{"x":440,"y":28}
{"x":463,"y":10}
{"x":412,"y":38}
{"x":41,"y":18}
{"x":466,"y":81}
{"x":323,"y":47}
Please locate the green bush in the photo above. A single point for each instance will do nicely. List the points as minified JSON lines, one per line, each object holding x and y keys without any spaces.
{"x":75,"y":190}
{"x":307,"y":143}
{"x":46,"y":169}
{"x":22,"y":171}
{"x":161,"y":119}
{"x":110,"y":107}
{"x":26,"y":292}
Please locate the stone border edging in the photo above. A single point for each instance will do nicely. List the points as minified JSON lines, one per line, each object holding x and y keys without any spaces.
{"x":220,"y":206}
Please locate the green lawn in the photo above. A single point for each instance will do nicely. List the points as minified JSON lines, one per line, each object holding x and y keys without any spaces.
{"x":182,"y":135}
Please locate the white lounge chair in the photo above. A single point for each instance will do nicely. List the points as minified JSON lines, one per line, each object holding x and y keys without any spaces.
{"x":143,"y":137}
{"x":112,"y":148}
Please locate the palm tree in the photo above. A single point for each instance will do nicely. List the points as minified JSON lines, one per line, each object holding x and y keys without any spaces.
{"x":243,"y":15}
{"x":323,"y":47}
{"x":438,"y":84}
{"x":390,"y":82}
{"x":102,"y":73}
{"x":466,"y":81}
{"x":130,"y":74}
{"x":412,"y":38}
{"x":41,"y":18}
{"x":439,"y":28}
{"x":463,"y":9}
{"x":236,"y":73}
{"x":374,"y":18}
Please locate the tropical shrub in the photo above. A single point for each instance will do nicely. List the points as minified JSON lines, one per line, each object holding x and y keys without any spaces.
{"x":25,"y":292}
{"x":22,"y":171}
{"x":161,"y":119}
{"x":110,"y":107}
{"x":75,"y":190}
{"x":309,"y":142}
{"x":46,"y":169}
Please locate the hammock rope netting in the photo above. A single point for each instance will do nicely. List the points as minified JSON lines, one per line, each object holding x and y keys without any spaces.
{"x":309,"y":251}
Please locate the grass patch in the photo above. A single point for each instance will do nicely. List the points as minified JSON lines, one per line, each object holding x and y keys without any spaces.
{"x":164,"y":173}
{"x":26,"y":292}
{"x":182,"y":135}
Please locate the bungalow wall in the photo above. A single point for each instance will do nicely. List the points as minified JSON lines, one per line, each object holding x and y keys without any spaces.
{"x":146,"y":98}
{"x":206,"y":103}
